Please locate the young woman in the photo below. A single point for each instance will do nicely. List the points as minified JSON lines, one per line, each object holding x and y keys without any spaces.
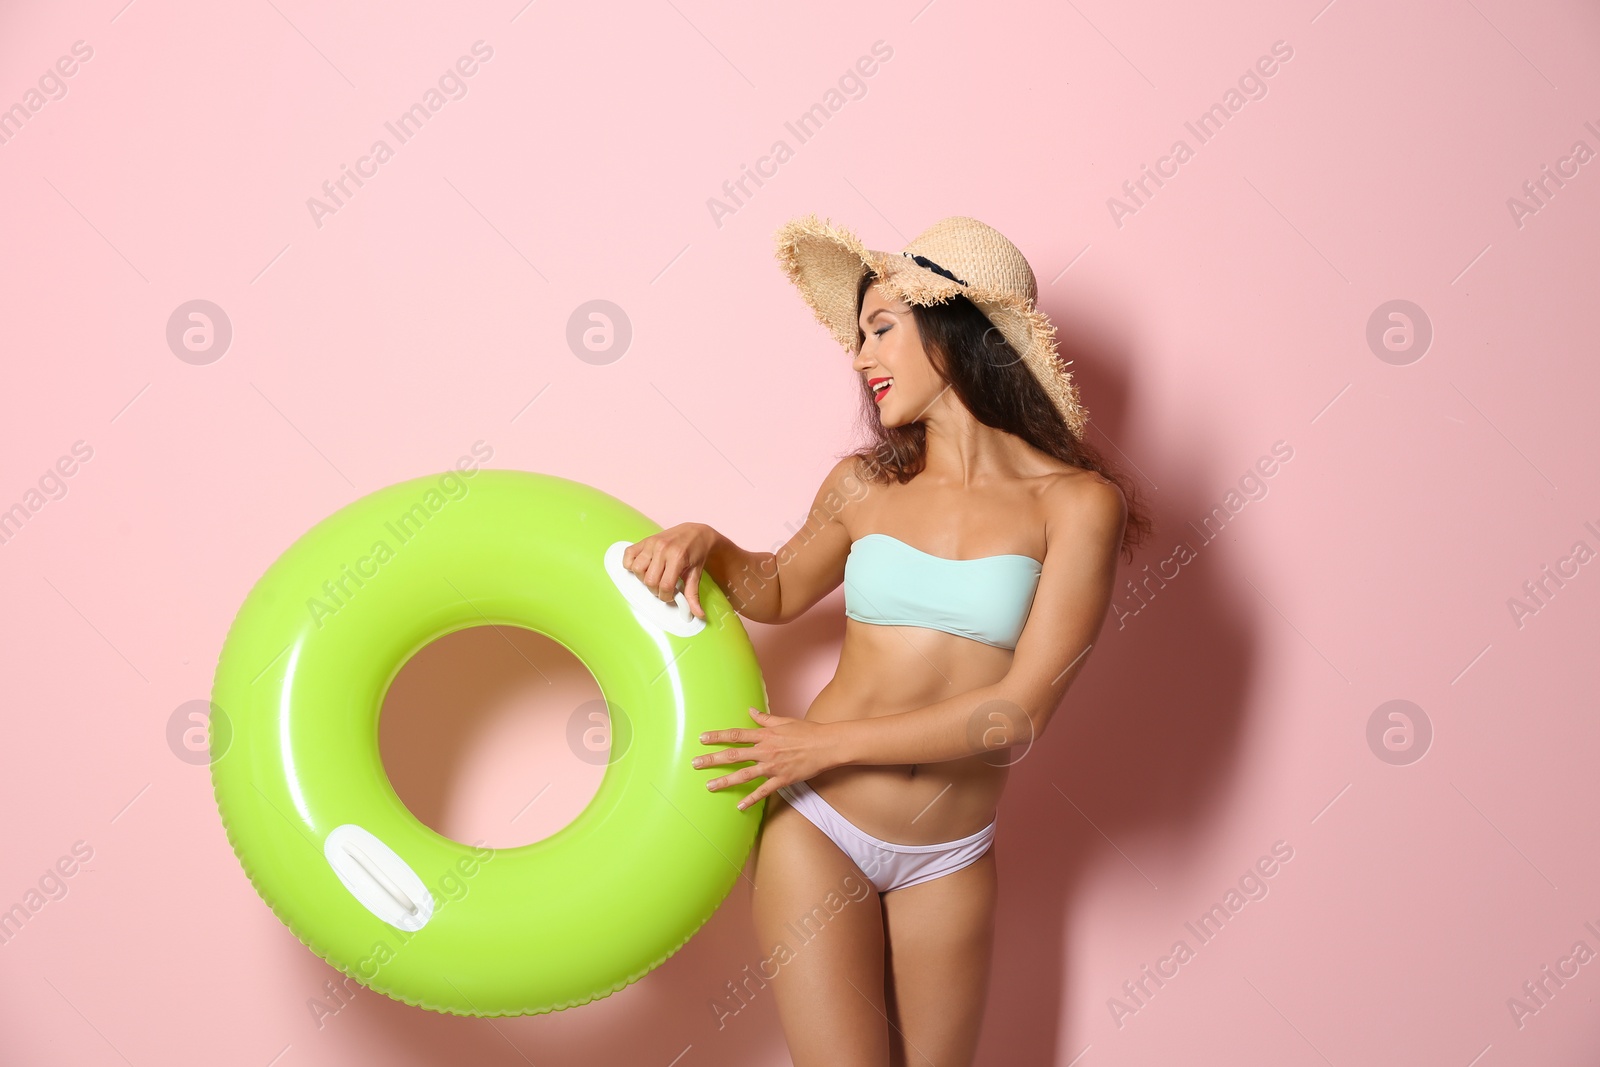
{"x":976,"y":538}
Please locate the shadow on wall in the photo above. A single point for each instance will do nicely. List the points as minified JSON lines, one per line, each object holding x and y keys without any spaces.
{"x":1144,"y":740}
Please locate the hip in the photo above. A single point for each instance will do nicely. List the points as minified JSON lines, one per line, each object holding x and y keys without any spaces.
{"x":916,"y":805}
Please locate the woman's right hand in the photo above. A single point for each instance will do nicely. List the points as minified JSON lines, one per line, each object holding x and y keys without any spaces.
{"x":661,"y":559}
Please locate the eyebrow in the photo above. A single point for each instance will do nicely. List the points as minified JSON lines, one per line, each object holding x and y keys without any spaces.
{"x":879,"y":311}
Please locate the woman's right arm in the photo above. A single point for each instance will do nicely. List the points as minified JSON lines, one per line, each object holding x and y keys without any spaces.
{"x":770,"y":587}
{"x":751,"y":580}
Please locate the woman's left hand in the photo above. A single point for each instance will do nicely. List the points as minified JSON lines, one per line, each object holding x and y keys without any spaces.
{"x":785,"y":751}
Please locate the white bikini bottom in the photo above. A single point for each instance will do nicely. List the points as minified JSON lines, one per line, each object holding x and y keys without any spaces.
{"x":886,"y":864}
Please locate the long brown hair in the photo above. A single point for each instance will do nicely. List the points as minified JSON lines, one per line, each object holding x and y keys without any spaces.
{"x":990,"y":378}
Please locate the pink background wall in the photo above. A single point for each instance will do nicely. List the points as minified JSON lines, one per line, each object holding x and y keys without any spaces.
{"x":1228,"y":312}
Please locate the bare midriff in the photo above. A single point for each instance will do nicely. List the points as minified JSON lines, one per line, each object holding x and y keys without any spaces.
{"x":885,"y":670}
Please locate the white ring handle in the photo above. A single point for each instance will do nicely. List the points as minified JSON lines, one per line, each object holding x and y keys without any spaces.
{"x":377,"y":877}
{"x":649,"y":609}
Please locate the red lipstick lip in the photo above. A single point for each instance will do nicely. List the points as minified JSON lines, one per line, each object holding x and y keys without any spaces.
{"x":877,"y":397}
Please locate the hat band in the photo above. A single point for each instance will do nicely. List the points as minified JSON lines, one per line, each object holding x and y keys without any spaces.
{"x":924,"y":261}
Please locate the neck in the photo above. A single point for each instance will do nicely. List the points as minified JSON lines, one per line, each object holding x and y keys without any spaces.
{"x":962,"y":451}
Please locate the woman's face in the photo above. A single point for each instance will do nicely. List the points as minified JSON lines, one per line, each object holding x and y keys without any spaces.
{"x":892,"y":358}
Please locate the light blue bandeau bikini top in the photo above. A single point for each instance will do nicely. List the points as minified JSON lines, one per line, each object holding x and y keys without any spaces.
{"x":890,"y":583}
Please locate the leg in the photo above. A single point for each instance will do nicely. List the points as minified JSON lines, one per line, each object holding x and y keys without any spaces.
{"x":940,"y":943}
{"x":810,"y":897}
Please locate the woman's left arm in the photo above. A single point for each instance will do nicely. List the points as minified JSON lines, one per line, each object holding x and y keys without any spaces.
{"x":1083,"y":536}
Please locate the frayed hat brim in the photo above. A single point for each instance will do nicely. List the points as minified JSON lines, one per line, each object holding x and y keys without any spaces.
{"x":826,"y":262}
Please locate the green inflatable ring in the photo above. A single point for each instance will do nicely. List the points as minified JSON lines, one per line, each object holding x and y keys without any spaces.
{"x":344,"y":864}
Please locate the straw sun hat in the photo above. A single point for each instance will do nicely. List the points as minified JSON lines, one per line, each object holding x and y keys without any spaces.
{"x":955,"y":255}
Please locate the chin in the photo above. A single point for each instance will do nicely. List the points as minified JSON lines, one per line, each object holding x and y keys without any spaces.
{"x":894,"y":417}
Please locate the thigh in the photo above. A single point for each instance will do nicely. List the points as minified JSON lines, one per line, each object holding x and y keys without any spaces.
{"x":819,"y":921}
{"x":940,"y":942}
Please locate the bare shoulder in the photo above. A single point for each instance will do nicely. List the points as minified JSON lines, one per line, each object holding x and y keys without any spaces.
{"x":849,"y":470}
{"x":811,"y":564}
{"x":847,"y":479}
{"x":1084,"y":506}
{"x":845,"y":483}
